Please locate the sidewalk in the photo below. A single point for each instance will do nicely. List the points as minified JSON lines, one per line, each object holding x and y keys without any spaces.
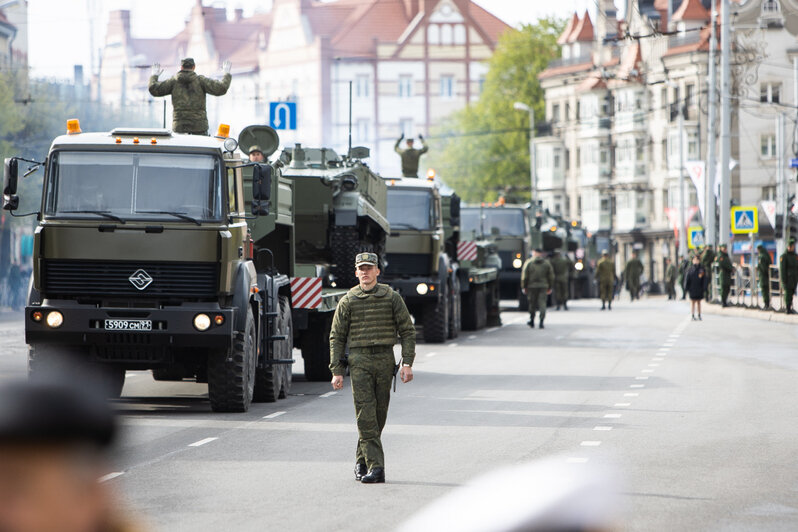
{"x":742,"y":312}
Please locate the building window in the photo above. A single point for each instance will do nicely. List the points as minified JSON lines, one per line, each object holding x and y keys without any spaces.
{"x":555,"y":113}
{"x":406,"y":127}
{"x":692,"y":144}
{"x":578,"y":161}
{"x":689,"y":95}
{"x":567,"y":111}
{"x":361,"y":86}
{"x":769,"y":193}
{"x":770,"y":92}
{"x":567,"y":159}
{"x":362,"y":130}
{"x":556,"y":159}
{"x":447,"y":34}
{"x":640,"y":150}
{"x":768,"y":146}
{"x":405,"y":86}
{"x":459,"y":34}
{"x":434,"y":34}
{"x":481,"y":84}
{"x":447,"y":86}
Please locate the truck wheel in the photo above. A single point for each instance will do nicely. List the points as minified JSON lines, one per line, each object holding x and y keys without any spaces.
{"x":270,"y":382}
{"x":455,"y":309}
{"x":316,"y":350}
{"x":345,"y":244}
{"x":492,"y":305}
{"x":474,"y":309}
{"x":288,"y":346}
{"x":436,"y":320}
{"x":231,"y":383}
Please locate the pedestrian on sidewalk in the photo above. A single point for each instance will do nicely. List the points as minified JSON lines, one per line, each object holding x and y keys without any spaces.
{"x":370,"y":318}
{"x":670,"y":278}
{"x":707,"y":257}
{"x":696,"y":285}
{"x":788,"y":270}
{"x":537,"y":280}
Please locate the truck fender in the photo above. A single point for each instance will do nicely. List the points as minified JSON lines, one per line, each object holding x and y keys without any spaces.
{"x":243,"y":294}
{"x":34,"y":297}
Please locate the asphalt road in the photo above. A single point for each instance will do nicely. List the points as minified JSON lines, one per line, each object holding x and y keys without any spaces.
{"x":697,"y":418}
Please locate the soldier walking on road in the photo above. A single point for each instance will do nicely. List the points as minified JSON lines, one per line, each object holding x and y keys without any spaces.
{"x":370,"y":317}
{"x":632,"y":272}
{"x":410,"y":156}
{"x":670,"y":278}
{"x":707,"y":257}
{"x":763,"y":264}
{"x":726,"y":270}
{"x":537,"y":278}
{"x":562,"y":266}
{"x":788,"y":271}
{"x":188,"y":90}
{"x":605,"y":272}
{"x":684,"y":265}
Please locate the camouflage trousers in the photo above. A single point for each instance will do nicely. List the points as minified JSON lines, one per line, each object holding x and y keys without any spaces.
{"x":606,"y":288}
{"x":764,"y":290}
{"x":537,"y":301}
{"x":561,"y":291}
{"x":371,"y":371}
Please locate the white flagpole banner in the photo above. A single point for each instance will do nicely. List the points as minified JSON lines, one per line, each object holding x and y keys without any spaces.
{"x":769,"y":207}
{"x":695,"y":169}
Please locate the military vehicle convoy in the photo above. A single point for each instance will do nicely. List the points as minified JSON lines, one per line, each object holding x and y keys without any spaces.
{"x":447,"y":284}
{"x":145,"y":257}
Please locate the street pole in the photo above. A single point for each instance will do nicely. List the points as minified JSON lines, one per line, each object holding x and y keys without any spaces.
{"x":682,"y":210}
{"x":533,"y":182}
{"x":781,"y":186}
{"x":725,"y":125}
{"x":709,"y":177}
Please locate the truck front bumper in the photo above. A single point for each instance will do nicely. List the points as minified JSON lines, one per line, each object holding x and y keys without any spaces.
{"x":88,"y":325}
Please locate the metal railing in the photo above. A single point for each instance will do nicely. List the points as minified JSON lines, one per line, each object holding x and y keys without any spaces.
{"x":745,"y":290}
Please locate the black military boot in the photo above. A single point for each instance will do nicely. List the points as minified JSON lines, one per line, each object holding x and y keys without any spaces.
{"x":541,"y":323}
{"x":360,"y":471}
{"x":375,"y":476}
{"x":565,"y":306}
{"x":603,"y":306}
{"x":531,"y":322}
{"x":609,"y":305}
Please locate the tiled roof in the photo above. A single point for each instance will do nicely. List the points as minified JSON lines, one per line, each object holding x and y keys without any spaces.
{"x":569,"y":28}
{"x":583,"y":30}
{"x":691,"y":10}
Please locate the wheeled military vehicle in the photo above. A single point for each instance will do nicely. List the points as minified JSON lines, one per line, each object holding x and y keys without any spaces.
{"x":427,"y":276}
{"x":144,"y":259}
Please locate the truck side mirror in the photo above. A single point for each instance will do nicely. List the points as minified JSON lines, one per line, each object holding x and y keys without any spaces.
{"x":454,"y":209}
{"x":11,"y":171}
{"x":261,"y":189}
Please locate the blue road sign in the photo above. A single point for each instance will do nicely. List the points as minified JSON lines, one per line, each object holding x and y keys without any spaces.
{"x":744,"y":220}
{"x":282,"y":115}
{"x":793,"y":163}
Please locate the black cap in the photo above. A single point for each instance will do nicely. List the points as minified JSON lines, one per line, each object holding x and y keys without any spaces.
{"x":48,"y":413}
{"x":188,"y":62}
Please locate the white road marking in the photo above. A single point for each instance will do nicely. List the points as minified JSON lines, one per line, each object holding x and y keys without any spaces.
{"x":647,"y":371}
{"x":472,"y":336}
{"x":658,"y":359}
{"x":432,"y":354}
{"x":612,"y":416}
{"x":600,"y":427}
{"x":110,"y":476}
{"x":624,"y":404}
{"x":492,"y":329}
{"x":653,"y":365}
{"x":576,"y":460}
{"x":453,"y":344}
{"x":637,"y":386}
{"x":328,"y":394}
{"x":590,"y":443}
{"x":273,"y":415}
{"x":559,"y":337}
{"x":641,"y":378}
{"x":202,"y":442}
{"x":631,"y":394}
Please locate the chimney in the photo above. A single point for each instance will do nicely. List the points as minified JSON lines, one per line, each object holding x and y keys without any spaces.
{"x":239,"y":14}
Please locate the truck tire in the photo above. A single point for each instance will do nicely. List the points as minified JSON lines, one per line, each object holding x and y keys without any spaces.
{"x":455,"y":311}
{"x":474,"y":309}
{"x":270,"y":381}
{"x":231,"y":383}
{"x":492,"y":304}
{"x":68,"y":363}
{"x":345,"y":244}
{"x":316,"y":350}
{"x":435,"y":319}
{"x":288,"y":346}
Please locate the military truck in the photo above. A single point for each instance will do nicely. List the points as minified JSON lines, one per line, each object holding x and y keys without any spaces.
{"x":340,"y":208}
{"x":144,"y":259}
{"x":508,"y":227}
{"x":430,"y":279}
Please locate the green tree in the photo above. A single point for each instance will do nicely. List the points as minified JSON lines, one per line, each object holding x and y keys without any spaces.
{"x":482,"y":151}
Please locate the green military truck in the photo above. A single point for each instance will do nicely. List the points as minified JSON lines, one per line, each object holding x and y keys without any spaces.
{"x":145,"y":257}
{"x":509,"y":229}
{"x":441,"y":295}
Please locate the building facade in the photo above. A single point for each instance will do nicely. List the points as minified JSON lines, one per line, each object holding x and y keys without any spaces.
{"x":409,"y":64}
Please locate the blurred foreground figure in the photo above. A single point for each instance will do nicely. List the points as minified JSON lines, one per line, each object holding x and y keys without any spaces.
{"x":54,"y":439}
{"x":548,"y":495}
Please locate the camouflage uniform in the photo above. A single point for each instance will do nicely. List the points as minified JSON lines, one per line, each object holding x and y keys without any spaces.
{"x":605,"y":272}
{"x":537,"y":276}
{"x":633,"y":271}
{"x":788,"y":271}
{"x":188,"y":91}
{"x":725,"y":270}
{"x":763,"y":264}
{"x":562,"y":266}
{"x":370,"y":322}
{"x":670,"y":280}
{"x":684,"y":265}
{"x":410,"y":157}
{"x":707,"y":257}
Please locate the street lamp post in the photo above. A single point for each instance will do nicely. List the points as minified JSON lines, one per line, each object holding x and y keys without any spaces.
{"x":519,"y":106}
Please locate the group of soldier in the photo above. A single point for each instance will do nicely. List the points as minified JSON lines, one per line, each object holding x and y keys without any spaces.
{"x":541,"y":277}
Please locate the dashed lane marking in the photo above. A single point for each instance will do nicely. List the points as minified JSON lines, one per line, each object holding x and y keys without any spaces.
{"x":623,"y":404}
{"x":612,"y":416}
{"x":472,"y":336}
{"x":632,"y":394}
{"x":590,"y":443}
{"x":637,"y":386}
{"x":432,"y":354}
{"x":647,"y":371}
{"x":641,"y":378}
{"x":110,"y":476}
{"x":202,"y":442}
{"x":576,"y":460}
{"x":658,"y":359}
{"x":602,"y":428}
{"x":453,"y":344}
{"x":328,"y":394}
{"x":273,"y":415}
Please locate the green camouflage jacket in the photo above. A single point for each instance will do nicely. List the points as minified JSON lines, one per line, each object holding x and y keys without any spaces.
{"x":537,"y":273}
{"x":188,"y":90}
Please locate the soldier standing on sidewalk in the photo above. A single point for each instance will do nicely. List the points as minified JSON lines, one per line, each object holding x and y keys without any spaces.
{"x":763,"y":264}
{"x":788,"y":270}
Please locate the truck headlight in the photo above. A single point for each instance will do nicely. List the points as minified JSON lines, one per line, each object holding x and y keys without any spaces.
{"x":579,"y":266}
{"x":55,"y":319}
{"x":517,"y":263}
{"x":422,"y":289}
{"x":202,"y":322}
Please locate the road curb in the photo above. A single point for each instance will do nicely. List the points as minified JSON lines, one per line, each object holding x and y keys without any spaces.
{"x":757,"y":314}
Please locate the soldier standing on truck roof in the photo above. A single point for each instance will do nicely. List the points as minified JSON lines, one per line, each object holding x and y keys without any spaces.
{"x":537,"y":280}
{"x":410,"y":156}
{"x":188,"y":90}
{"x":370,"y":317}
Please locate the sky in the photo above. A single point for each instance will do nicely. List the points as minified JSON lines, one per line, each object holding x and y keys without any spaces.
{"x":60,"y":30}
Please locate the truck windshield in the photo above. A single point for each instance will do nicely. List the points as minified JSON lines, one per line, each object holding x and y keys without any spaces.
{"x":134,"y":186}
{"x":409,"y":209}
{"x":508,"y":222}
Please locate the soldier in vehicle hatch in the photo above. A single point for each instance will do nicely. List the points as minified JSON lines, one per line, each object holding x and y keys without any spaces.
{"x":256,"y":154}
{"x":370,"y":317}
{"x":188,"y":90}
{"x":410,"y":156}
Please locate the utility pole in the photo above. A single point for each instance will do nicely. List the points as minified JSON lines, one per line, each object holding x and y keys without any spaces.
{"x":709,"y":178}
{"x":682,"y":210}
{"x":781,"y":187}
{"x":725,"y":124}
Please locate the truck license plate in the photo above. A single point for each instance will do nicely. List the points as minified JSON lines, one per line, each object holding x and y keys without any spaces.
{"x":128,"y":325}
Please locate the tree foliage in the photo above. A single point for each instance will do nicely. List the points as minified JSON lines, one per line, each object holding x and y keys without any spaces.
{"x":482,"y":151}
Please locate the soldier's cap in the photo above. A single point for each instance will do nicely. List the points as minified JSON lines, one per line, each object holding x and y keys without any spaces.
{"x":791,"y":241}
{"x":54,"y":413}
{"x":605,"y":252}
{"x":760,"y":247}
{"x":187,"y":62}
{"x":366,"y":258}
{"x":722,"y":246}
{"x":537,"y":250}
{"x":254,"y":147}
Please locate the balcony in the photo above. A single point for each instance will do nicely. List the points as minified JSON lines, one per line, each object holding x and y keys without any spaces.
{"x":630,"y":121}
{"x":595,"y":127}
{"x":578,"y":60}
{"x":683,"y":39}
{"x":631,"y":172}
{"x":596,"y":220}
{"x":591,"y":175}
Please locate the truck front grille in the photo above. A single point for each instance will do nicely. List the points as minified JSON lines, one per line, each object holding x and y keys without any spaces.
{"x":507,"y":260}
{"x":150,"y":280}
{"x":415,"y":264}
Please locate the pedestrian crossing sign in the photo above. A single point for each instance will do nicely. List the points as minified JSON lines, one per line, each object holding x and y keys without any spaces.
{"x":744,"y":220}
{"x":695,"y":237}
